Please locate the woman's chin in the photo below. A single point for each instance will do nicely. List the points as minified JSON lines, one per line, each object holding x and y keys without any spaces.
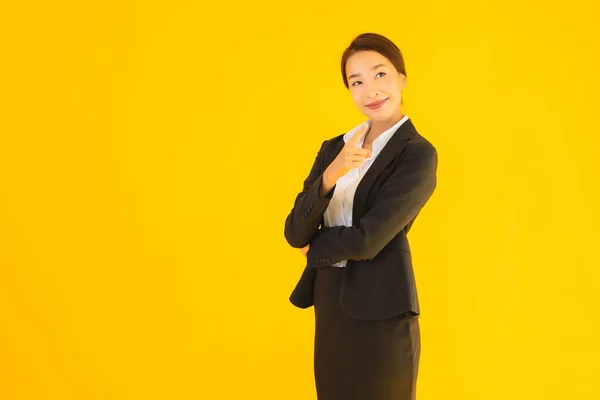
{"x":379,"y":117}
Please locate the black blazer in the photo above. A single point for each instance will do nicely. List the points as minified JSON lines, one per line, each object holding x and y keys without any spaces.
{"x":378,"y":280}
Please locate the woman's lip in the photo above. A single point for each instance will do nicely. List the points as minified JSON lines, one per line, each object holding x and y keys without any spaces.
{"x":376,"y":104}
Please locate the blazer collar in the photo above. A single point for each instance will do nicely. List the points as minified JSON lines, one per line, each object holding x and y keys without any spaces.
{"x":390,"y":151}
{"x":381,"y":140}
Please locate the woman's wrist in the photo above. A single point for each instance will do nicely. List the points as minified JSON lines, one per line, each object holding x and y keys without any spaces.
{"x":328,"y":182}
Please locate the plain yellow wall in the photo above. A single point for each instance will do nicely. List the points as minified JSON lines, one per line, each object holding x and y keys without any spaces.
{"x":150,"y":152}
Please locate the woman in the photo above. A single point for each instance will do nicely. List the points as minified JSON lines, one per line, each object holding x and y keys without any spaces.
{"x":362,"y":195}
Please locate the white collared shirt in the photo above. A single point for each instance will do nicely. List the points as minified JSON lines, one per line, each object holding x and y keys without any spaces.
{"x":339,"y":210}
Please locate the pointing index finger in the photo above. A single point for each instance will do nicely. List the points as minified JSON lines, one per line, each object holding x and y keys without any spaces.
{"x":359,"y":134}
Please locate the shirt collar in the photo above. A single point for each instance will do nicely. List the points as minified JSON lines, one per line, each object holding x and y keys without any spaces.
{"x":381,"y":140}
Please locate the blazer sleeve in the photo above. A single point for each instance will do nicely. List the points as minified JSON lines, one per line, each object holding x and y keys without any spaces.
{"x":304,"y":219}
{"x":399,"y":200}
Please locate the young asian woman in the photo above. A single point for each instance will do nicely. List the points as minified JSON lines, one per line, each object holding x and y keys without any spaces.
{"x":351,"y":220}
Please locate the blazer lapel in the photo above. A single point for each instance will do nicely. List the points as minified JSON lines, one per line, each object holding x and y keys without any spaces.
{"x":388,"y":153}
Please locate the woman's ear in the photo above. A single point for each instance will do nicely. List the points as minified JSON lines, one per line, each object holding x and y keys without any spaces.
{"x":403,"y":81}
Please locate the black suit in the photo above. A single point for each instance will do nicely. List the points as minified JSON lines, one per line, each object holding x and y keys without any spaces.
{"x":367,"y":336}
{"x":378,"y":280}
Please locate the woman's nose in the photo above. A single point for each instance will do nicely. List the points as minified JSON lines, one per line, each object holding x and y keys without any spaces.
{"x":373,"y":94}
{"x":373,"y":91}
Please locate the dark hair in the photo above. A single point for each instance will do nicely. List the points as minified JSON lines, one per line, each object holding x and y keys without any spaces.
{"x":374,"y":42}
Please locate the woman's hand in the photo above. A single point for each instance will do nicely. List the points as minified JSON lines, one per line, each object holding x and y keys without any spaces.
{"x":304,"y":250}
{"x":351,"y":156}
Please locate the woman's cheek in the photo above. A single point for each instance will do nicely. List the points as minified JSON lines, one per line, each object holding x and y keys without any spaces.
{"x":388,"y":87}
{"x":356,"y":96}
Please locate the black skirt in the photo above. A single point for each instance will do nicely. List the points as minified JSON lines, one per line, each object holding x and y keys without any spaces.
{"x":361,"y":359}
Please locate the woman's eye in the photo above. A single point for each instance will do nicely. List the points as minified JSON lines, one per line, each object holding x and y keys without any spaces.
{"x":380,"y":73}
{"x":353,"y":83}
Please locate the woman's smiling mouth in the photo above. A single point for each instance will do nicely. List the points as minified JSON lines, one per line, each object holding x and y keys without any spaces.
{"x":376,"y":104}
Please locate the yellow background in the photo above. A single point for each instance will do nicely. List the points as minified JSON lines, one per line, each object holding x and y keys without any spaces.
{"x":150,"y":152}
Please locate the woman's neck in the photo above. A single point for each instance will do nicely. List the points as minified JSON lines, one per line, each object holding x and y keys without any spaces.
{"x":378,"y":127}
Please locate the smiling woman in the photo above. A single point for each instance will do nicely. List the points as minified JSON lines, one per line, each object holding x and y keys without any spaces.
{"x":374,"y":71}
{"x":351,"y":220}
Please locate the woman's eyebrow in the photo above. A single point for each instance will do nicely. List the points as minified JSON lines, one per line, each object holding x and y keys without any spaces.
{"x":372,"y":68}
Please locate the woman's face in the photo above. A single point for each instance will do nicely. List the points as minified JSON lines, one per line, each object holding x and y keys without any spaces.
{"x":371,"y":79}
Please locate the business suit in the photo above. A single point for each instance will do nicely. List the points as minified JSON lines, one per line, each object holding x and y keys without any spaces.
{"x":378,"y":283}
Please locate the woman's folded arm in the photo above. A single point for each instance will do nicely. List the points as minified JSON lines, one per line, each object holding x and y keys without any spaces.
{"x":400,"y":199}
{"x":302,"y":223}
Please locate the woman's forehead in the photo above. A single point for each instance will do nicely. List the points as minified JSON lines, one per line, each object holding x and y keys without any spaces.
{"x":365,"y":61}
